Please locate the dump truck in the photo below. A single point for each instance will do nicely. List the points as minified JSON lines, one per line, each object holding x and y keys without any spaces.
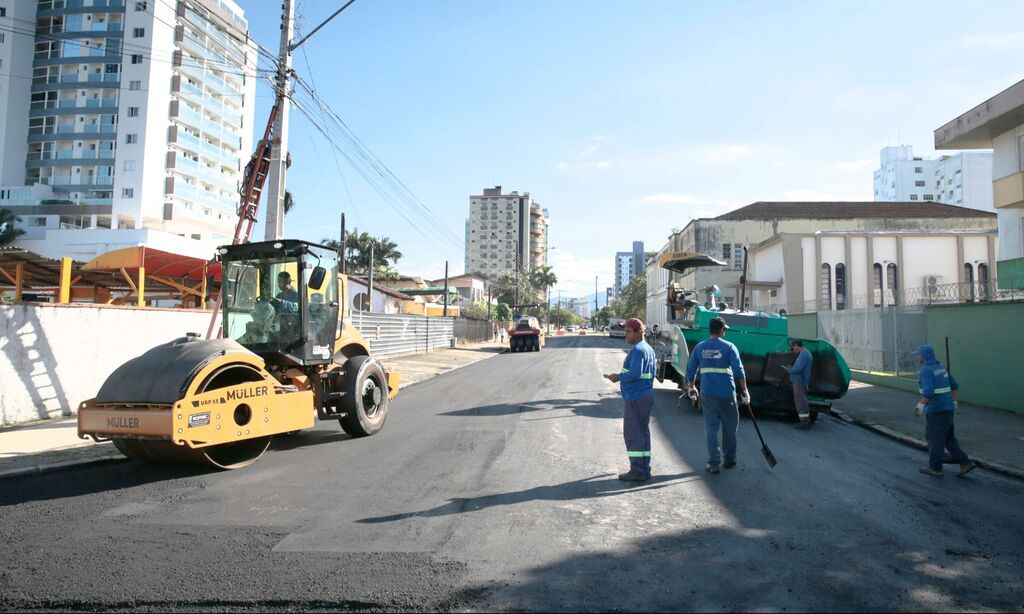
{"x":527,"y":336}
{"x":763,"y":340}
{"x":287,"y":356}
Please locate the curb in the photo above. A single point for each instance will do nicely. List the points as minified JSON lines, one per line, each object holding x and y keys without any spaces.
{"x":406,"y":387}
{"x":55,"y":466}
{"x":921,"y":445}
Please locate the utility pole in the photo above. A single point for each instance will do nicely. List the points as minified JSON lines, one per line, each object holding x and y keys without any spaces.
{"x":279,"y":147}
{"x":370,"y":288}
{"x":596,"y":309}
{"x":446,"y":288}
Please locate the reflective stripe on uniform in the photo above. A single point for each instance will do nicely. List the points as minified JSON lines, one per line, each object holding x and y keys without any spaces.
{"x":624,"y":370}
{"x":941,"y":390}
{"x":647,"y":376}
{"x":722,"y":370}
{"x":637,"y":453}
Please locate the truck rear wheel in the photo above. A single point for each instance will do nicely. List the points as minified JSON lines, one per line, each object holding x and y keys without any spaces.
{"x":366,"y":397}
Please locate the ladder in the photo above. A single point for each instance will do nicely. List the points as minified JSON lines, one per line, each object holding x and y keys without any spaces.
{"x":255,"y":177}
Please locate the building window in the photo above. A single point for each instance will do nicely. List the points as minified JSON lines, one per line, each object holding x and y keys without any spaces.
{"x":983,"y":281}
{"x":141,"y":6}
{"x":826,"y":287}
{"x":129,"y":165}
{"x":131,"y":139}
{"x":3,"y":11}
{"x":919,"y":183}
{"x":877,"y":285}
{"x":133,"y":111}
{"x":737,"y":256}
{"x":918,"y":170}
{"x":929,"y":197}
{"x":138,"y":32}
{"x":135,"y":85}
{"x":840,"y":286}
{"x":969,"y":280}
{"x":726,"y":252}
{"x":136,"y":58}
{"x":1,"y":37}
{"x":913,"y":197}
{"x":1020,"y":153}
{"x":127,"y":192}
{"x":893,"y":284}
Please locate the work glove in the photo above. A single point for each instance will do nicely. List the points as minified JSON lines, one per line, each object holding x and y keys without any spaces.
{"x":692,"y":394}
{"x":956,"y":405}
{"x":745,"y":397}
{"x":919,"y":409}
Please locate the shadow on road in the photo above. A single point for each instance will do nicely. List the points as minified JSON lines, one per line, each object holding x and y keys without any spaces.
{"x":607,"y":407}
{"x":605,"y":485}
{"x":106,"y":477}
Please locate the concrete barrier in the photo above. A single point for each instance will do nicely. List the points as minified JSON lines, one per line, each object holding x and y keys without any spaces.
{"x":53,"y":357}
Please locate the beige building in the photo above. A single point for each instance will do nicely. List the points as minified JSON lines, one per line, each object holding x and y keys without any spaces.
{"x":797,"y":273}
{"x":998,"y":124}
{"x":725,"y":236}
{"x":505,"y":232}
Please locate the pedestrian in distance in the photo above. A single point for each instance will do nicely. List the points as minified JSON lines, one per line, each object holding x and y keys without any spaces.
{"x":717,"y":363}
{"x":800,"y":376}
{"x":938,"y":404}
{"x":636,"y":382}
{"x":501,"y":334}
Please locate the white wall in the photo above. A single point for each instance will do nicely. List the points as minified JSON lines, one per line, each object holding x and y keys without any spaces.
{"x":810,"y":268}
{"x":858,"y":271}
{"x":929,"y":256}
{"x":53,"y":357}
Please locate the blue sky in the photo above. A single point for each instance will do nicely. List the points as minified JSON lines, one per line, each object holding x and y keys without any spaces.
{"x":624,"y":119}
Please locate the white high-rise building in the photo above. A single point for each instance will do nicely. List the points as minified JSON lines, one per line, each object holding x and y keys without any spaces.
{"x":125,"y":122}
{"x":505,"y":232}
{"x":963,"y":179}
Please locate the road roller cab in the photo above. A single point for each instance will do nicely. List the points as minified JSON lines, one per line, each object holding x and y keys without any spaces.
{"x":287,"y":357}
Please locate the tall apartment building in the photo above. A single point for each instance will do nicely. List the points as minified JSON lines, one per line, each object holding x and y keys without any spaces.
{"x":628,"y":265}
{"x":125,"y":122}
{"x":505,"y":232}
{"x":963,"y":179}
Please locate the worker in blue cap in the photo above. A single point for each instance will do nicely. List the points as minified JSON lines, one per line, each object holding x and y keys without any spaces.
{"x":938,"y":402}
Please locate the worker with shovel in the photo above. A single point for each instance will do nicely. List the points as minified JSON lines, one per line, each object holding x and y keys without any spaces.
{"x":721,"y":372}
{"x":937,"y":403}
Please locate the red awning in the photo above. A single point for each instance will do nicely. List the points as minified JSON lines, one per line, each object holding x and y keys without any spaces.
{"x":157,"y":262}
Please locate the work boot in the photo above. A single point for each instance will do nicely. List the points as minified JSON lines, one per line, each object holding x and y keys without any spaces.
{"x":803,"y":425}
{"x":711,"y":468}
{"x":630,"y":476}
{"x":729,"y":464}
{"x":930,"y":471}
{"x":966,"y":468}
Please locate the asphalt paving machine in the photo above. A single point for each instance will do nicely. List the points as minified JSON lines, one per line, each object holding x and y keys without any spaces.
{"x":287,"y":356}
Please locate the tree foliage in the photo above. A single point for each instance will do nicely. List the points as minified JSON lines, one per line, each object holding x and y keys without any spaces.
{"x":357,"y":254}
{"x":632,"y":303}
{"x":503,"y":312}
{"x":476,"y":311}
{"x":8,"y":231}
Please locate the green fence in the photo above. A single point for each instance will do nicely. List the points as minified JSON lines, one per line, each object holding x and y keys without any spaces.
{"x":986,"y":350}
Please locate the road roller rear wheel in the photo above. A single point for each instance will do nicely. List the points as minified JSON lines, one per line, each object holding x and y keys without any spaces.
{"x":366,"y":397}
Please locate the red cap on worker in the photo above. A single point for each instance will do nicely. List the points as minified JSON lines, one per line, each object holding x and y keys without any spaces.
{"x":635,"y":324}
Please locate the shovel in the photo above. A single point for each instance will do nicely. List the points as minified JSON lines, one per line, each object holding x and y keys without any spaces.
{"x":768,"y":456}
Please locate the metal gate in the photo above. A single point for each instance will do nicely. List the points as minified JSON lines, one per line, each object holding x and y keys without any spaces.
{"x":392,"y":334}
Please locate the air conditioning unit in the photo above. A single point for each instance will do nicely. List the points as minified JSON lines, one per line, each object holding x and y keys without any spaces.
{"x":931,"y":284}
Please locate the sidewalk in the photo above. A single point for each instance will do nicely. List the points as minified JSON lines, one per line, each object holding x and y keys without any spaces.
{"x":54,"y":444}
{"x":993,"y":437}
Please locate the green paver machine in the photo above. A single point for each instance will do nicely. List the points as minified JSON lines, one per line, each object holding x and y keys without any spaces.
{"x":763,"y":341}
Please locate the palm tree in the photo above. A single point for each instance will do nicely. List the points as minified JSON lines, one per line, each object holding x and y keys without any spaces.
{"x":8,"y":231}
{"x":357,"y":251}
{"x":543,"y":278}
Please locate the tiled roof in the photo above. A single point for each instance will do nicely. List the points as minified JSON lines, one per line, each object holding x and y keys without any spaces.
{"x":850,"y":210}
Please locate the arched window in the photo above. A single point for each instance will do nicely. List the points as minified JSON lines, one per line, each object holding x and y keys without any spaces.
{"x":969,"y":280}
{"x":840,"y":286}
{"x":983,"y":281}
{"x":826,"y":287}
{"x":892,"y":282}
{"x":877,"y":285}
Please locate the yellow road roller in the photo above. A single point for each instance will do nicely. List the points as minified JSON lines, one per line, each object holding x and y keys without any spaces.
{"x":286,"y":357}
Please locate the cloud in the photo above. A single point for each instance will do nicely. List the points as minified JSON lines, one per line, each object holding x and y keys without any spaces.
{"x":589,"y":151}
{"x":584,"y":167}
{"x":995,"y":41}
{"x":664,"y":198}
{"x":854,"y":166}
{"x":725,"y":153}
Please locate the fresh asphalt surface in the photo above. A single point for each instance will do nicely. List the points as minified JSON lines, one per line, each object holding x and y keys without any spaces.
{"x":493,"y":488}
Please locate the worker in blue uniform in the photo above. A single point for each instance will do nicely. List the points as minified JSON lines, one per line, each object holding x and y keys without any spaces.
{"x":938,"y":403}
{"x":717,"y":363}
{"x":636,"y":382}
{"x":800,"y":376}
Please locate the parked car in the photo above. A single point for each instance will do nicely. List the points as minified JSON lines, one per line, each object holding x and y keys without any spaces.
{"x":617,"y":328}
